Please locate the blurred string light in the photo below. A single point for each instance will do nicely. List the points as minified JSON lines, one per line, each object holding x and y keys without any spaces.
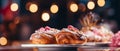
{"x":91,"y":5}
{"x":73,"y":7}
{"x":82,"y":7}
{"x":28,"y":5}
{"x":3,"y":41}
{"x":45,"y":16}
{"x":54,"y":8}
{"x":14,"y":7}
{"x":33,"y":8}
{"x":101,"y":3}
{"x":12,"y":26}
{"x":17,"y":20}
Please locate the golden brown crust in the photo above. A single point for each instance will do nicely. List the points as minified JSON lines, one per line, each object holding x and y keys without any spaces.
{"x":68,"y":38}
{"x":43,"y":39}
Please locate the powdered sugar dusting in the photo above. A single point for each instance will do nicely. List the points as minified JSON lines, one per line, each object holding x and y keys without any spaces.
{"x":116,"y":40}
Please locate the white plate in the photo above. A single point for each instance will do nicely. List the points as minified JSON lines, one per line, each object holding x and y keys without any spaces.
{"x":66,"y":45}
{"x":50,"y":45}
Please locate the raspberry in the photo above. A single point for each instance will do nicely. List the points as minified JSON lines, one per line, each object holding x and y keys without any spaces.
{"x":47,"y":28}
{"x":70,"y":27}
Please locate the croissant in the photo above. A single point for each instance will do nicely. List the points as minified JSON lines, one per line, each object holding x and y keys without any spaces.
{"x":69,"y":38}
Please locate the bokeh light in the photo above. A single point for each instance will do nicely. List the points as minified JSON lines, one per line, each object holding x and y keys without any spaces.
{"x":17,"y":20}
{"x":73,"y":7}
{"x":54,"y":8}
{"x":14,"y":7}
{"x":45,"y":16}
{"x":91,"y":5}
{"x":33,"y":8}
{"x":101,"y":3}
{"x":28,"y":5}
{"x":3,"y":41}
{"x":82,"y":7}
{"x":12,"y":26}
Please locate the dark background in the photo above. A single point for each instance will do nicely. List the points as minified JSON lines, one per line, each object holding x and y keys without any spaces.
{"x":29,"y":22}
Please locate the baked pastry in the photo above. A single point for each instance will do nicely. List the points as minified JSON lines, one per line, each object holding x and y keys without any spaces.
{"x":115,"y":41}
{"x":94,"y":32}
{"x":101,"y":34}
{"x":70,"y":35}
{"x":70,"y":38}
{"x":44,"y":36}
